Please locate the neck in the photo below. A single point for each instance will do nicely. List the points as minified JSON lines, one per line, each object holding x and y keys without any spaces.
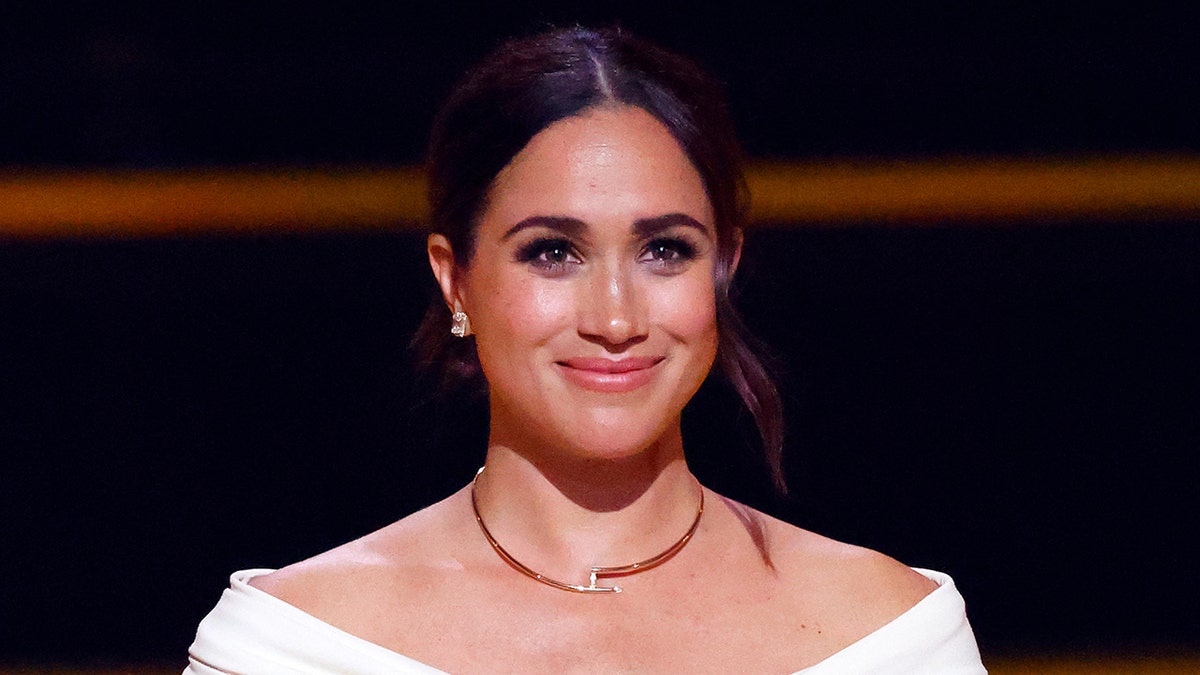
{"x":566,"y":515}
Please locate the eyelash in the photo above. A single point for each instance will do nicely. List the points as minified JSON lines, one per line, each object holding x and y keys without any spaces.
{"x":553,"y":254}
{"x":535,"y":253}
{"x":680,"y":250}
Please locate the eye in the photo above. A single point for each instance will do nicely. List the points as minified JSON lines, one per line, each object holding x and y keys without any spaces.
{"x":548,"y":254}
{"x":668,"y":253}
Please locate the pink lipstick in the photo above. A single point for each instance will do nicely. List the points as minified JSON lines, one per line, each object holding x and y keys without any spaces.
{"x":609,"y":375}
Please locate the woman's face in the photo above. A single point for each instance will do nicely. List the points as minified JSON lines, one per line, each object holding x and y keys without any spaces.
{"x":590,"y":289}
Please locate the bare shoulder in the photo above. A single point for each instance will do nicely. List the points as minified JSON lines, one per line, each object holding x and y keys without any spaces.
{"x":341,"y":585}
{"x":851,"y":586}
{"x":863,"y":571}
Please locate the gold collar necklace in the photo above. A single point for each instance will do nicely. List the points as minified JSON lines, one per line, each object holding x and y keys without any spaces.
{"x":594,"y":572}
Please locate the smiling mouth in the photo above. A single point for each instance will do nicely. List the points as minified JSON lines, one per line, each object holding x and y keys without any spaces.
{"x":609,"y":375}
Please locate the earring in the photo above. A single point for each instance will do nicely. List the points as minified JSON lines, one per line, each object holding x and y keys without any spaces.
{"x":460,"y":325}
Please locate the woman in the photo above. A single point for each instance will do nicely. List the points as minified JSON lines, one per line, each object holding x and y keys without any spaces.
{"x":587,"y":212}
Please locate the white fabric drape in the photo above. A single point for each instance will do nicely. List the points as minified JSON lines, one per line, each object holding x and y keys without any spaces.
{"x":251,"y":632}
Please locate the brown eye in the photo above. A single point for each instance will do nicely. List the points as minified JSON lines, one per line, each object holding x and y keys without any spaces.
{"x":554,"y":255}
{"x":551,"y":255}
{"x":668,"y":252}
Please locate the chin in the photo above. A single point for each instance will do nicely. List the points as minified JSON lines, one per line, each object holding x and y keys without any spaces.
{"x":617,"y":439}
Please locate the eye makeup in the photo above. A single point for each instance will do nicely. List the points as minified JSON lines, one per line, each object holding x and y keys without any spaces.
{"x":548,"y":254}
{"x":667,"y":254}
{"x":665,"y":244}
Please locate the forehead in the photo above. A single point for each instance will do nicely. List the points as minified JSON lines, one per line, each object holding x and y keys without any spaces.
{"x":608,"y":165}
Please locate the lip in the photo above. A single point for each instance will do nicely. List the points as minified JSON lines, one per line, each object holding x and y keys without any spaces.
{"x":611,"y":376}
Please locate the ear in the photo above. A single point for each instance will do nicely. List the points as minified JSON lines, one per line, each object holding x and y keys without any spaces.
{"x":441,"y":261}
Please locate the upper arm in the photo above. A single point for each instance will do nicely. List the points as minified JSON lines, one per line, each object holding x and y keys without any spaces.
{"x":856,"y":590}
{"x":895,"y":586}
{"x":323,"y":587}
{"x":296,"y":584}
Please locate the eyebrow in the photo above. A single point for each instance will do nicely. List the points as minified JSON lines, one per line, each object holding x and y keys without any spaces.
{"x":572,"y":227}
{"x":644,"y":228}
{"x":648,"y":227}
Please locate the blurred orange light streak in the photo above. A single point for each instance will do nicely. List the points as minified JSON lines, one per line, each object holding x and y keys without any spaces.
{"x":150,"y":203}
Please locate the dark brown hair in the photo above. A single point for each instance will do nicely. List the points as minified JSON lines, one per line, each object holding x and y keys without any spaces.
{"x":527,"y":85}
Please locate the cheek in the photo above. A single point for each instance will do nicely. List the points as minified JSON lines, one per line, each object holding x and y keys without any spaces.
{"x":517,"y":312}
{"x":689,"y":311}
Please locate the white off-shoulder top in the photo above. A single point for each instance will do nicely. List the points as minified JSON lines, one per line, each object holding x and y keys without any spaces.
{"x":251,"y":632}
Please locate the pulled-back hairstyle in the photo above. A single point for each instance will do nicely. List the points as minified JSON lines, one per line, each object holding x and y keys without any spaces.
{"x":528,"y":84}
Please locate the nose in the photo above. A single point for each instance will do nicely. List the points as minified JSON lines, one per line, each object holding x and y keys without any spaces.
{"x":613,"y":312}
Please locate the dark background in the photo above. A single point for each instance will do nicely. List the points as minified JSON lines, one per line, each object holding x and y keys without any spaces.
{"x":158,"y":83}
{"x":1015,"y":403}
